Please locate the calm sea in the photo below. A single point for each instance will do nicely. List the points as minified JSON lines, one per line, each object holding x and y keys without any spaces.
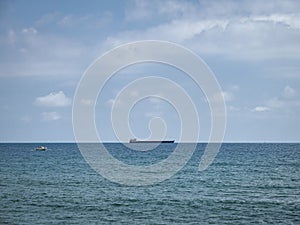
{"x":246,"y":184}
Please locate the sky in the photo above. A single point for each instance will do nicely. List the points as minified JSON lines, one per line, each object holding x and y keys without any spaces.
{"x":252,"y":47}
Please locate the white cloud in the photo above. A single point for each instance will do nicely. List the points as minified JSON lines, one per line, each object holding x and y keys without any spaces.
{"x":138,"y":10}
{"x":286,"y":100}
{"x":74,"y":21}
{"x":227,"y":96}
{"x":86,"y":101}
{"x":243,"y":31}
{"x":227,"y":28}
{"x":110,"y":102}
{"x":50,"y":116}
{"x":291,"y":20}
{"x":30,"y":30}
{"x":260,"y":109}
{"x":281,"y":103}
{"x":54,"y":99}
{"x":156,"y":100}
{"x":275,"y":103}
{"x":27,"y":52}
{"x":48,"y":19}
{"x":178,"y":30}
{"x":153,"y":114}
{"x":288,"y":92}
{"x":224,"y":95}
{"x":113,"y":102}
{"x":176,"y":8}
{"x":66,"y":20}
{"x":141,"y":10}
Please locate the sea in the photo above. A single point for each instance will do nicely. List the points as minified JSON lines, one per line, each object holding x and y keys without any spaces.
{"x":247,"y":183}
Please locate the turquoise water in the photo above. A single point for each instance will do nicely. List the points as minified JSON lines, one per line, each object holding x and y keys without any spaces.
{"x":246,"y":184}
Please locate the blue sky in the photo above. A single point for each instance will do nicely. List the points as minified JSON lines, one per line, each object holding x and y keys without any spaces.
{"x":252,"y":47}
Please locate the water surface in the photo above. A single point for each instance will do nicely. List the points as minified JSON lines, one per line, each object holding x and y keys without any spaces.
{"x":246,"y":184}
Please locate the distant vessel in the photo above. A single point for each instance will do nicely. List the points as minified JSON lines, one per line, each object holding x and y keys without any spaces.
{"x":41,"y":148}
{"x":134,"y":140}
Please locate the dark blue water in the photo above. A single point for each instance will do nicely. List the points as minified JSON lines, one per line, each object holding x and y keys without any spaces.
{"x":246,"y":184}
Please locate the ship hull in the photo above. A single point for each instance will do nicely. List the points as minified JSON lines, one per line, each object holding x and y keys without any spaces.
{"x":172,"y":141}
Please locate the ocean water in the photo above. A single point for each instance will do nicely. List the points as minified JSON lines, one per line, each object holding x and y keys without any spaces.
{"x":246,"y":184}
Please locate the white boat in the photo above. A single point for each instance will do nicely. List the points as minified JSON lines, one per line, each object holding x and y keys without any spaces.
{"x":41,"y":148}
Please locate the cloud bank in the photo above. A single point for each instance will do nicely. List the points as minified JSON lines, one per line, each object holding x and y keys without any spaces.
{"x":54,"y":99}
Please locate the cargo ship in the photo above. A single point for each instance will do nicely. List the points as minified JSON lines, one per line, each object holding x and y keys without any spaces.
{"x":134,"y":140}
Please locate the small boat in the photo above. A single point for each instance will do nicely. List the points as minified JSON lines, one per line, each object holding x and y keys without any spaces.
{"x":41,"y":148}
{"x":134,"y":140}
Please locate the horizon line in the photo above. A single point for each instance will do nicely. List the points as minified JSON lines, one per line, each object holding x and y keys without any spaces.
{"x":115,"y":142}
